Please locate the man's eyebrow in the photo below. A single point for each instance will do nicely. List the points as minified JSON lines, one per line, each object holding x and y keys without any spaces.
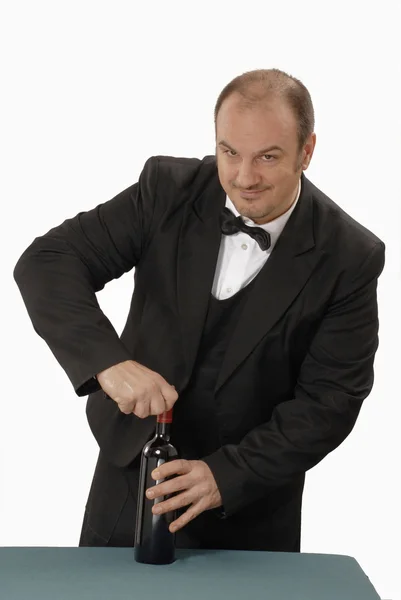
{"x":269,"y":149}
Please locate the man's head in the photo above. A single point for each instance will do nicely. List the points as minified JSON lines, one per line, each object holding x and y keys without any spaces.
{"x":264,"y":122}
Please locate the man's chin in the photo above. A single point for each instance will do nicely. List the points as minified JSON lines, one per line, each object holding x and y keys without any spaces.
{"x":255,"y":215}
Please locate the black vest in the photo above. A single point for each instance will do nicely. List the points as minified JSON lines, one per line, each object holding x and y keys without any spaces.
{"x":195,"y":430}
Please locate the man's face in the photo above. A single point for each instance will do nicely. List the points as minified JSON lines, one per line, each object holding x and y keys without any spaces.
{"x":247,"y":159}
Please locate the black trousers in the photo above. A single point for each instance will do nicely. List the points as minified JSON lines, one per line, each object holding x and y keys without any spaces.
{"x":110,"y":515}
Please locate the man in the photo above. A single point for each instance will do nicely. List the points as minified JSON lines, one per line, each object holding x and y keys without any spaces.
{"x":254,"y":314}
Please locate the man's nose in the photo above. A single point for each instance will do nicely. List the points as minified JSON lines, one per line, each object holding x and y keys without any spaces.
{"x":247,"y":177}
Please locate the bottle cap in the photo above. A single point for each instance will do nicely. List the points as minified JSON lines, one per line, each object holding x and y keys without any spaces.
{"x":165,"y":417}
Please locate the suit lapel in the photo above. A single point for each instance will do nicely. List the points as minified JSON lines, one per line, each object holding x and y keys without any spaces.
{"x":283,"y":276}
{"x":198,"y":249}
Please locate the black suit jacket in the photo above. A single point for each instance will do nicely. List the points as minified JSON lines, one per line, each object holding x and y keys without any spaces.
{"x":300,"y":362}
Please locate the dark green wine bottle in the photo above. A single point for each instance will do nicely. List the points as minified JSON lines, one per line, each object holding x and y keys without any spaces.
{"x":154,"y":543}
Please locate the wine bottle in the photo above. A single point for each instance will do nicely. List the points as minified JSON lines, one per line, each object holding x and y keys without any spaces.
{"x":154,"y":543}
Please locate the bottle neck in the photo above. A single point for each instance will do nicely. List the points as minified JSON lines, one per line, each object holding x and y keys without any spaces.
{"x":163,"y":430}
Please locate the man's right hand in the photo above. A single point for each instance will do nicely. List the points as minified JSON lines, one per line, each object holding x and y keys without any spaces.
{"x":137,"y":389}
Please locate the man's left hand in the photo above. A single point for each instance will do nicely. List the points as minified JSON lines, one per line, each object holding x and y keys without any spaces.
{"x":196,"y":483}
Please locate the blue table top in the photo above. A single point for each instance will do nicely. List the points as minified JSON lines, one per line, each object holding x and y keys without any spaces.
{"x":103,"y":573}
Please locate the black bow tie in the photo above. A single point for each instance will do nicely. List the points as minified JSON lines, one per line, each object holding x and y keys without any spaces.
{"x":231,"y":224}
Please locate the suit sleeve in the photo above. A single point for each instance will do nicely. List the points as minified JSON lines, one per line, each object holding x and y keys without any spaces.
{"x":335,"y":377}
{"x":59,"y":274}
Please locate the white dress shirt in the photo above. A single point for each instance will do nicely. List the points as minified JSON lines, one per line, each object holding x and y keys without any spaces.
{"x":240,"y":256}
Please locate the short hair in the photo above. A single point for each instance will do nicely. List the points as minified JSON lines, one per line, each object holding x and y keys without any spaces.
{"x":263,"y":84}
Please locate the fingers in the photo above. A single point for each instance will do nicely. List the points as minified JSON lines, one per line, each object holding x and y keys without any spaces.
{"x":196,"y":483}
{"x":141,"y":409}
{"x":169,"y":394}
{"x":162,"y":397}
{"x":177,"y":484}
{"x":137,"y":390}
{"x":173,"y":467}
{"x":193,"y":511}
{"x":157,"y":404}
{"x":142,"y":404}
{"x":172,"y":504}
{"x":167,"y":390}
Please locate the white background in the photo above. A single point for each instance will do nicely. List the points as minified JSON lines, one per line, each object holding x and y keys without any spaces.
{"x":90,"y":90}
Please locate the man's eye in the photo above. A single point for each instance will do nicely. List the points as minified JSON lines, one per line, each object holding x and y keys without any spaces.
{"x":232,"y":153}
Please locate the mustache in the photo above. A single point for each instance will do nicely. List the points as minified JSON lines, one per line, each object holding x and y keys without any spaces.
{"x":249,"y":189}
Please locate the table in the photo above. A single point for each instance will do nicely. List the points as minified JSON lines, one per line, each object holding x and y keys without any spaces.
{"x":47,"y":573}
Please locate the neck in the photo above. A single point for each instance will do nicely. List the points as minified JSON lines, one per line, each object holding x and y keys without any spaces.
{"x":163,"y":430}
